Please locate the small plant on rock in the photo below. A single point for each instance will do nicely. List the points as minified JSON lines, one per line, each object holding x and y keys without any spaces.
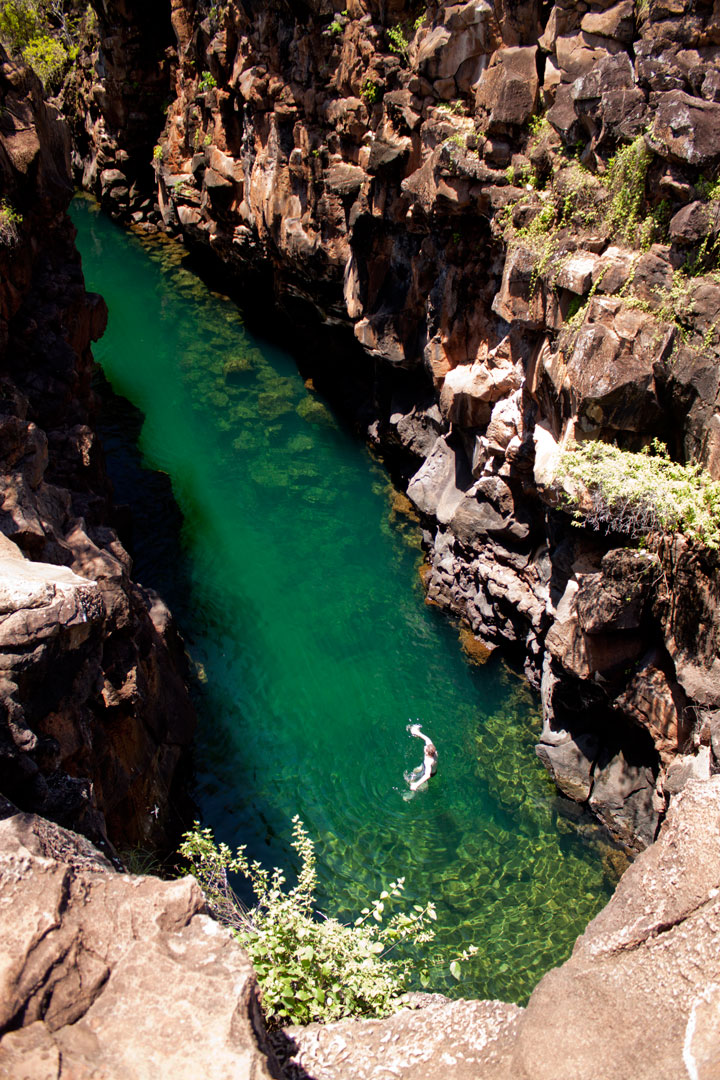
{"x":207,"y":82}
{"x":625,"y":181}
{"x":370,"y":92}
{"x":10,"y":219}
{"x":309,"y":969}
{"x":399,"y":42}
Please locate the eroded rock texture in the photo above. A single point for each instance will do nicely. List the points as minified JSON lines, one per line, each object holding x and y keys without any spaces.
{"x":107,"y":974}
{"x":376,"y":171}
{"x":94,"y":714}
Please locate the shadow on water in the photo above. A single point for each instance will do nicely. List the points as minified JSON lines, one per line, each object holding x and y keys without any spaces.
{"x":295,"y":582}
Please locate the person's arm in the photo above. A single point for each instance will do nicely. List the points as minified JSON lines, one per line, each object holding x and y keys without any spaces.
{"x":416,"y":730}
{"x":426,"y":773}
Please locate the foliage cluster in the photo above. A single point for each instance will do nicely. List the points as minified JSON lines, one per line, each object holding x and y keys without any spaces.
{"x":577,"y":199}
{"x":625,"y":181}
{"x":44,"y":33}
{"x":398,"y":41}
{"x":643,"y":493}
{"x":309,"y":969}
{"x":207,"y":81}
{"x":10,"y":219}
{"x":454,"y":108}
{"x":217,"y":13}
{"x":370,"y":91}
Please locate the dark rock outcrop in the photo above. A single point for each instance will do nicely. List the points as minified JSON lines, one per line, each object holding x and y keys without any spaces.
{"x":96,"y":718}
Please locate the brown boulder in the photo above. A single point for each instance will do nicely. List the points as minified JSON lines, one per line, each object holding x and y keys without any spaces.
{"x":508,"y":89}
{"x":694,"y":222}
{"x":617,"y":596}
{"x":523,"y":297}
{"x":570,"y":764}
{"x":457,"y":1040}
{"x":637,"y":997}
{"x":459,"y":48}
{"x":659,"y":705}
{"x":685,"y":128}
{"x":576,"y":55}
{"x":616,"y":22}
{"x":111,"y":975}
{"x":611,"y":368}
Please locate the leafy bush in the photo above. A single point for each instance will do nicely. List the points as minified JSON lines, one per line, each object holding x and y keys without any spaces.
{"x":19,"y":22}
{"x":48,"y":58}
{"x":398,"y":41}
{"x":370,"y":92}
{"x":9,"y":221}
{"x":642,"y":493}
{"x":207,"y":82}
{"x":309,"y":970}
{"x":625,"y":180}
{"x":44,"y":33}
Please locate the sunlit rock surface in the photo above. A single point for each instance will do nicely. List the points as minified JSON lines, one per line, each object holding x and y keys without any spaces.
{"x":112,"y":975}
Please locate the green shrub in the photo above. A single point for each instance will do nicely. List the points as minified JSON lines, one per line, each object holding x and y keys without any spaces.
{"x":642,"y":493}
{"x":9,"y":222}
{"x":625,"y":181}
{"x":398,"y":41}
{"x":45,"y":34}
{"x":48,"y":58}
{"x":19,"y":23}
{"x":370,"y":92}
{"x":207,"y":82}
{"x":456,"y":107}
{"x":335,"y":27}
{"x":308,"y":969}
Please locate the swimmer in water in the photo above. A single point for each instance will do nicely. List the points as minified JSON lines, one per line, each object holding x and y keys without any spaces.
{"x":430,"y":756}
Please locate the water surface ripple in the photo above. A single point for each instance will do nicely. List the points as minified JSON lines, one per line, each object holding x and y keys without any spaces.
{"x":295,"y":583}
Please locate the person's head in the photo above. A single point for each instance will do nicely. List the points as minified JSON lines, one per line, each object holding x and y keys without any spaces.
{"x":430,"y":751}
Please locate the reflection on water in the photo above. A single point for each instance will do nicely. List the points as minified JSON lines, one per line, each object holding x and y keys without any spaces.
{"x":296,"y":587}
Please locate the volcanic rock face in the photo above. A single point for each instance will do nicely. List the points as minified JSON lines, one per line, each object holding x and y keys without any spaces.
{"x":379,"y":174}
{"x":95,"y":714}
{"x":107,"y":974}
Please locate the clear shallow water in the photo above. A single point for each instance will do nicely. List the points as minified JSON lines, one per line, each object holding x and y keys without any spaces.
{"x":295,"y":583}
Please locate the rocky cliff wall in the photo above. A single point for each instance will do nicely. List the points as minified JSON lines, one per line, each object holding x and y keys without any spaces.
{"x":95,"y":716}
{"x":437,"y":185}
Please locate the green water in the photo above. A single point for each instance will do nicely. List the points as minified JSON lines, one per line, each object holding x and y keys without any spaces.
{"x":296,"y":584}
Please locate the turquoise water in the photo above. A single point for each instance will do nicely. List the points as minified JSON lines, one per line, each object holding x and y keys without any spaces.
{"x":296,"y":584}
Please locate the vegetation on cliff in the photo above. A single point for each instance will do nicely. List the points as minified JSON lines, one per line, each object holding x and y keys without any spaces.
{"x":309,"y":969}
{"x":642,"y":493}
{"x":45,"y":34}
